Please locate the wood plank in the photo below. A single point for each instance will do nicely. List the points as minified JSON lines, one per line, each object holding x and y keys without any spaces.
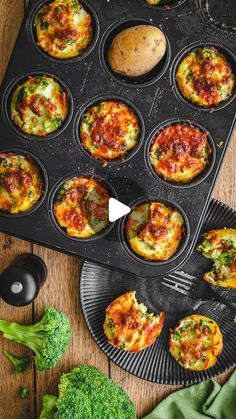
{"x":62,"y":291}
{"x":225,"y":188}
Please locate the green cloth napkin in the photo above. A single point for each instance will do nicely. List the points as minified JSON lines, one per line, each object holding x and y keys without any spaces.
{"x":204,"y":400}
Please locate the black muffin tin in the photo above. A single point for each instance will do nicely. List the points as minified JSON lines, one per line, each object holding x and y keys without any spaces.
{"x":89,"y":78}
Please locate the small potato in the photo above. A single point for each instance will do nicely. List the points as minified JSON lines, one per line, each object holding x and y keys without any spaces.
{"x":137,"y":50}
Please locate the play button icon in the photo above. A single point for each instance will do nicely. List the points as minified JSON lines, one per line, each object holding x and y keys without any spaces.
{"x":117,"y":210}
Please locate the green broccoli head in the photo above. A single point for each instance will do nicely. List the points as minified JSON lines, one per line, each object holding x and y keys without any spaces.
{"x":48,"y":339}
{"x":86,"y":392}
{"x":20,"y":364}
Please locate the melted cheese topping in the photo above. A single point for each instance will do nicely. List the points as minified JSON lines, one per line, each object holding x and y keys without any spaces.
{"x":128,"y":326}
{"x":21,"y":184}
{"x":64,"y":29}
{"x":220,"y":246}
{"x":154,"y":231}
{"x":205,"y":77}
{"x":153,"y":2}
{"x":81,"y":207}
{"x":180,"y":152}
{"x":196,"y":342}
{"x":39,"y":106}
{"x":109,"y":130}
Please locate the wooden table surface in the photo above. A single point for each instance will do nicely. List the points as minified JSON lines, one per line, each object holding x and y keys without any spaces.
{"x":62,"y":291}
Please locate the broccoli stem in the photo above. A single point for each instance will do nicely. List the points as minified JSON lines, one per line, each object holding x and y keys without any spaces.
{"x":20,"y":364}
{"x":48,"y":339}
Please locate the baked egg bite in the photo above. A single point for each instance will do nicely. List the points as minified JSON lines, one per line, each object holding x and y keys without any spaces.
{"x":21,"y":183}
{"x":154,"y":230}
{"x":81,"y":207}
{"x":220,"y":247}
{"x":109,"y":130}
{"x":153,"y":2}
{"x":39,"y":106}
{"x":128,"y":326}
{"x":195,"y":342}
{"x":205,"y":77}
{"x":180,"y":152}
{"x":64,"y":29}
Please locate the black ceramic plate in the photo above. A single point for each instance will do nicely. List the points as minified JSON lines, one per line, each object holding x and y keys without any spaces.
{"x":99,"y":286}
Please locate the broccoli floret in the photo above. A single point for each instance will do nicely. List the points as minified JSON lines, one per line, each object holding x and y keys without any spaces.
{"x":49,"y":407}
{"x":86,"y":392}
{"x":20,"y":364}
{"x":23,"y":392}
{"x":48,"y":339}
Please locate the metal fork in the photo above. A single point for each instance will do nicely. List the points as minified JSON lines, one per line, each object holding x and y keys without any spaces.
{"x":194,"y":287}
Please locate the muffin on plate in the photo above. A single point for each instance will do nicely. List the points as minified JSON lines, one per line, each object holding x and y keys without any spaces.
{"x":196,"y":342}
{"x":128,"y":326}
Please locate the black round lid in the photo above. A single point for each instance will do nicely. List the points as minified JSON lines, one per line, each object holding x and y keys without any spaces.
{"x":21,"y":281}
{"x":18,"y":286}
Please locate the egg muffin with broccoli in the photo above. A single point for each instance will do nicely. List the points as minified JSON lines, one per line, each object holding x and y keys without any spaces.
{"x":81,"y":207}
{"x":39,"y":106}
{"x":154,"y":231}
{"x":196,"y":342}
{"x":180,"y":152}
{"x":128,"y":326}
{"x":205,"y":77}
{"x":21,"y":183}
{"x":64,"y":28}
{"x":220,"y":247}
{"x":109,"y":130}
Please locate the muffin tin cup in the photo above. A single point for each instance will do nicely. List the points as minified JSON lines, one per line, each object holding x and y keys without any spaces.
{"x":182,"y":245}
{"x":93,"y":102}
{"x":6,"y":103}
{"x":165,"y":5}
{"x":202,"y":4}
{"x":52,"y":198}
{"x":201,"y":176}
{"x":44,"y":179}
{"x":141,"y":81}
{"x":33,"y":37}
{"x":231,"y":58}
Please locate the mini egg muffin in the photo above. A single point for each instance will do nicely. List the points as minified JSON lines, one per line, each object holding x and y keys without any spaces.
{"x":39,"y":106}
{"x":128,"y":326}
{"x":153,"y":2}
{"x":179,"y":152}
{"x":195,"y":342}
{"x":220,"y":247}
{"x":64,"y":29}
{"x":81,"y":207}
{"x":154,"y":230}
{"x":109,"y":130}
{"x":205,"y":77}
{"x":21,"y":183}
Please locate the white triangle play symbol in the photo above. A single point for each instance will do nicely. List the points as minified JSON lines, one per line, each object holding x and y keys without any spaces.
{"x":117,"y":210}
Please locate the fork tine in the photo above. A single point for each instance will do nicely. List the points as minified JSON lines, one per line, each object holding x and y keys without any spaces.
{"x":171,"y":279}
{"x":182,"y":278}
{"x":173,"y":287}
